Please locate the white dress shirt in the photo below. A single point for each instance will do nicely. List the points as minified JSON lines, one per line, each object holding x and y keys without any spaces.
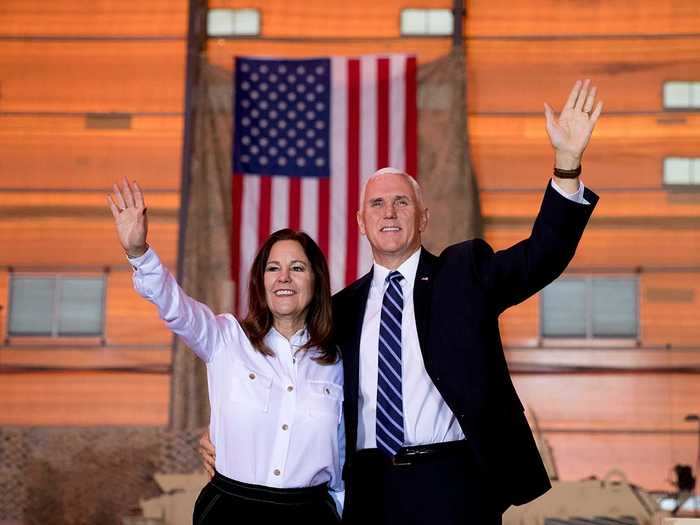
{"x":427,"y":418}
{"x":275,"y":420}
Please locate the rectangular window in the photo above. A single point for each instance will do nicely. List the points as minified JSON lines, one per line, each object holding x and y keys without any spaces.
{"x":681,"y":171}
{"x":590,"y":307}
{"x":56,"y":306}
{"x":681,"y":95}
{"x":427,"y":22}
{"x":233,"y":22}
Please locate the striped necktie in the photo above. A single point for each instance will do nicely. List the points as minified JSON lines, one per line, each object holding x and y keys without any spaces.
{"x":389,"y":397}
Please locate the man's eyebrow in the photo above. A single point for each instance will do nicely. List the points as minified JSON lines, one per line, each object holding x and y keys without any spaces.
{"x":395,"y":197}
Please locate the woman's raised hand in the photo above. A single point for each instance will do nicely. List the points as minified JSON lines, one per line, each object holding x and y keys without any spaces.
{"x":129,"y":212}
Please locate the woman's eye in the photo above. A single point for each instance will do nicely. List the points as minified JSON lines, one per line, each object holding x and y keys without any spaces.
{"x":298,"y":268}
{"x":271,"y":268}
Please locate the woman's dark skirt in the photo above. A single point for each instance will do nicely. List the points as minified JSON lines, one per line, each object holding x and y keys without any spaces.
{"x":224,"y":500}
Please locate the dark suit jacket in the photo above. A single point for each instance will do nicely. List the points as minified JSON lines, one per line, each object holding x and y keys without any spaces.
{"x":458,"y":298}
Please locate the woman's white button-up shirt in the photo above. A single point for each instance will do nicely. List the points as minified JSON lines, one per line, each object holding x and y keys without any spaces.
{"x":275,"y":420}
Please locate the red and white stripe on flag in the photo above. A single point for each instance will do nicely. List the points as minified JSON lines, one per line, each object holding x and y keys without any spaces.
{"x":373,"y":125}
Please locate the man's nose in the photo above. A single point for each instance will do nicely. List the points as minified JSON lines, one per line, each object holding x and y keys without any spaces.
{"x":389,"y":211}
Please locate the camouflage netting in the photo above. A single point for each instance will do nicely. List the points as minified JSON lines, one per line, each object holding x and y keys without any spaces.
{"x":54,"y":476}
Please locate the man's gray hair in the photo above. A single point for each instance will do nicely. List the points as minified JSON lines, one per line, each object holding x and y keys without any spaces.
{"x":394,"y":171}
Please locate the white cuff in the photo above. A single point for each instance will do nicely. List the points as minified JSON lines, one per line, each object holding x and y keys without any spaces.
{"x":576,"y":196}
{"x":142,"y":260}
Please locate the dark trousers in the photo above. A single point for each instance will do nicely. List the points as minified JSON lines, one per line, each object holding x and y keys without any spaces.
{"x":227,"y":501}
{"x":442,"y":488}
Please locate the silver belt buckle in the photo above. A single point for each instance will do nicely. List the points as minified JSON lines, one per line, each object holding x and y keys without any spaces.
{"x":400,"y":462}
{"x":408,"y":456}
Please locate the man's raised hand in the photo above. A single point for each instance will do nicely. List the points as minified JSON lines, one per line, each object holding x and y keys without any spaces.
{"x":129,"y":212}
{"x":571,"y":131}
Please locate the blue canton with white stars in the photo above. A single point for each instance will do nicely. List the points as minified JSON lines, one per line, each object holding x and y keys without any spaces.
{"x":282,"y":117}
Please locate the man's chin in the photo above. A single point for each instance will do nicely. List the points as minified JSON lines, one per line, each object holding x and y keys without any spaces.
{"x":390,"y":249}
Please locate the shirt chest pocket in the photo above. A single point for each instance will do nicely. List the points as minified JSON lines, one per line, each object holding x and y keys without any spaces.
{"x":251,"y":389}
{"x":324,"y":399}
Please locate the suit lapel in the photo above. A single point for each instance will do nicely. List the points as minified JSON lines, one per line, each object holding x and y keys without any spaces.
{"x":353,"y":314}
{"x":422,"y":288}
{"x":356,"y":314}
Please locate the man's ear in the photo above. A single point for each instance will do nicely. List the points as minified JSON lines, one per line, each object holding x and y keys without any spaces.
{"x":425,"y":216}
{"x":361,"y":222}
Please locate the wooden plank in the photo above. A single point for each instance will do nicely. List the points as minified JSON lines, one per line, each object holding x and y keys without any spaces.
{"x":648,"y":402}
{"x":540,"y":73}
{"x":221,"y":52}
{"x":84,"y":399}
{"x":626,"y":151}
{"x":53,"y":230}
{"x":519,"y":75}
{"x":645,"y":459}
{"x":669,"y":306}
{"x":554,"y":17}
{"x":335,"y":18}
{"x":604,"y":357}
{"x":91,"y":357}
{"x":35,"y":204}
{"x":645,"y":206}
{"x":45,"y":152}
{"x":319,"y":18}
{"x":55,"y":242}
{"x":81,"y":18}
{"x":611,"y":246}
{"x":102,"y":76}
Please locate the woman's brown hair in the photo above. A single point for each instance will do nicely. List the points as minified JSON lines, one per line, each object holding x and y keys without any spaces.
{"x":318,"y":314}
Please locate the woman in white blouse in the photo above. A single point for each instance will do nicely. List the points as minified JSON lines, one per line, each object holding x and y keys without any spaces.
{"x":275,"y":379}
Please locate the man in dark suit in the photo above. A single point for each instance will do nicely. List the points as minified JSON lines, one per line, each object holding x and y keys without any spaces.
{"x":435,"y":430}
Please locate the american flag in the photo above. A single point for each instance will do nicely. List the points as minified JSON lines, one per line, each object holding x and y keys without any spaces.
{"x":307,"y":133}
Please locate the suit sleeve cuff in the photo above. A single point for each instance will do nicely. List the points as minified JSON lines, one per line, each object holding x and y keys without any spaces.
{"x":577,"y":196}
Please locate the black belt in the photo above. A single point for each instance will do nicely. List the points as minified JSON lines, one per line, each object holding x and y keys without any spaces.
{"x":407,"y":456}
{"x":296,"y":496}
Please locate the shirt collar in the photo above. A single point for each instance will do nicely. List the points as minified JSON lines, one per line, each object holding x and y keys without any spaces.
{"x":299,"y":339}
{"x":408,"y":269}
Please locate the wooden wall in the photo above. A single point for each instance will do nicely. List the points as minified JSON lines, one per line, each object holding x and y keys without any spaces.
{"x":60,"y":67}
{"x":90,"y":92}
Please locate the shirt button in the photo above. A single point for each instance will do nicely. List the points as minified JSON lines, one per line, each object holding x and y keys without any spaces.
{"x":285,"y":426}
{"x":276,"y":472}
{"x":290,"y":388}
{"x":251,"y":375}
